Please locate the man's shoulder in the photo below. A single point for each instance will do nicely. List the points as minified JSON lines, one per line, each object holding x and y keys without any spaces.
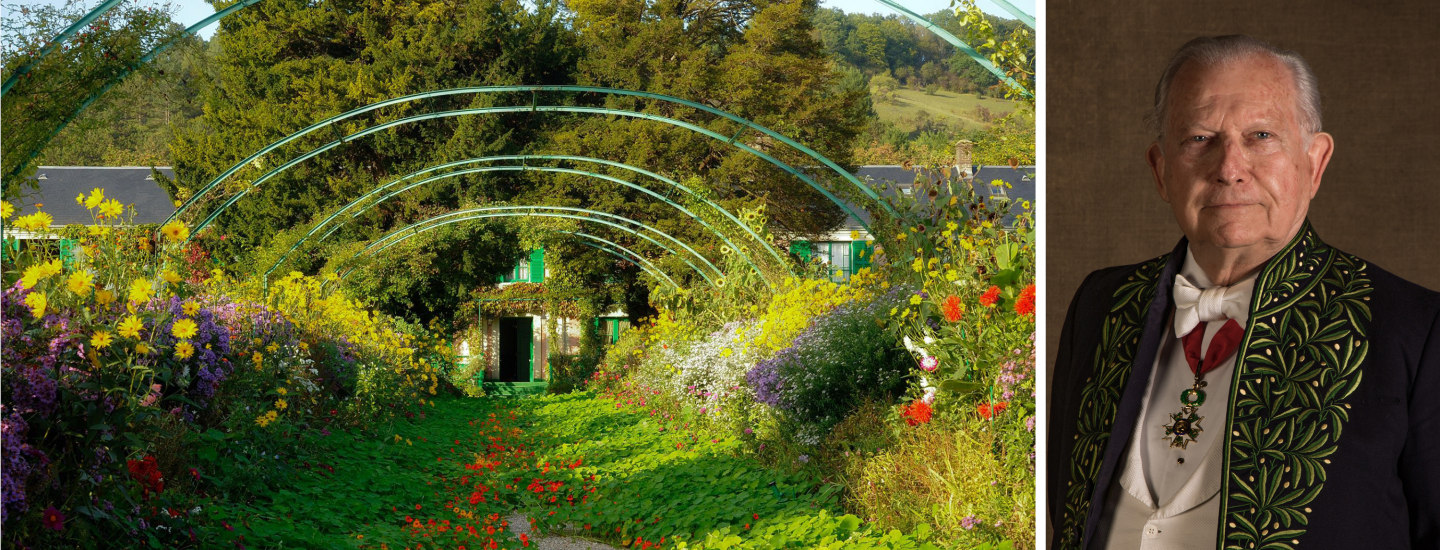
{"x":1390,"y":292}
{"x":1105,"y":283}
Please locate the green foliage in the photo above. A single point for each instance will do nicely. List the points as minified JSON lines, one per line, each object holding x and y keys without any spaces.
{"x":44,"y":98}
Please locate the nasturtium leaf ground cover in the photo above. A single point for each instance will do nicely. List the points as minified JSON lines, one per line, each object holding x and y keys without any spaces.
{"x":578,"y":464}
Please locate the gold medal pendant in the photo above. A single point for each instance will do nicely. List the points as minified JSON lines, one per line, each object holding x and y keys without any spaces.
{"x":1185,"y":425}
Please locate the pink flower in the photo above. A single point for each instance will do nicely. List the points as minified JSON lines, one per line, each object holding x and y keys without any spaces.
{"x":53,"y":519}
{"x":929,"y":363}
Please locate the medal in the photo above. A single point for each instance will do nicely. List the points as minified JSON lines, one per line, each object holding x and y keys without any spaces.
{"x":1184,"y":426}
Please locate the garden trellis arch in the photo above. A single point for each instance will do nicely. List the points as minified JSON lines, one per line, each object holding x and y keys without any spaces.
{"x":627,"y":254}
{"x":144,"y":60}
{"x":525,"y":158}
{"x":746,"y":125}
{"x":539,"y":211}
{"x":65,"y":35}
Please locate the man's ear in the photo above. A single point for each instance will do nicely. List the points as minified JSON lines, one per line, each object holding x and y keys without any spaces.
{"x":1156,"y":158}
{"x":1321,"y":147}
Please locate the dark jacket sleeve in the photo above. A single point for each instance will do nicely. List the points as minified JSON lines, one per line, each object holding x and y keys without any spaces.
{"x":1062,"y":380}
{"x":1420,"y":460}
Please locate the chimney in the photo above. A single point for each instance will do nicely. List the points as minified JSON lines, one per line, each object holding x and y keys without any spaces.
{"x":962,"y":157}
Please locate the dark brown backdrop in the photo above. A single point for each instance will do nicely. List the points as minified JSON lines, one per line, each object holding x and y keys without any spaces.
{"x":1378,"y":64}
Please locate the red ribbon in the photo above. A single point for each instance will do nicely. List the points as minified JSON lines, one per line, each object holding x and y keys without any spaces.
{"x":1221,"y":346}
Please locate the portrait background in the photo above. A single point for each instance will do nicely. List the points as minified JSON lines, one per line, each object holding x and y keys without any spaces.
{"x":1378,"y":65}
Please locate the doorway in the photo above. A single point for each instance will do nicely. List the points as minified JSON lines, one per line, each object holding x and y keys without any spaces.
{"x":517,"y":349}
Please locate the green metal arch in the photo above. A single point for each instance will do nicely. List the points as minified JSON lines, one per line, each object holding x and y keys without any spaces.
{"x":731,"y":140}
{"x":516,"y":211}
{"x":55,"y":42}
{"x":426,"y":181}
{"x":960,"y":44}
{"x":145,"y":59}
{"x":525,"y":158}
{"x":632,"y":255}
{"x":63,"y":36}
{"x":628,"y":255}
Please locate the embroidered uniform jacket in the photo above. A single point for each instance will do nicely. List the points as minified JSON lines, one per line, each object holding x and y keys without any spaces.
{"x":1332,"y":439}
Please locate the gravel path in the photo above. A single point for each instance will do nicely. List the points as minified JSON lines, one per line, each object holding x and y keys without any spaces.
{"x":520,"y":524}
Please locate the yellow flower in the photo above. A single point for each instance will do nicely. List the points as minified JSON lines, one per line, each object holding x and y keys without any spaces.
{"x":34,"y":222}
{"x":32,"y":276}
{"x":96,"y":197}
{"x":52,"y":267}
{"x":914,"y":299}
{"x":265,"y":419}
{"x":272,"y":347}
{"x":101,"y":339}
{"x":36,"y":301}
{"x":171,"y":276}
{"x":190,"y":308}
{"x":80,"y":199}
{"x":257,"y":358}
{"x":6,"y":210}
{"x":282,"y":391}
{"x":175,"y":231}
{"x":142,"y":348}
{"x":184,"y":329}
{"x":111,"y":209}
{"x":281,"y":404}
{"x":854,"y":235}
{"x":80,"y":282}
{"x":105,"y":297}
{"x":140,"y":291}
{"x":918,"y":265}
{"x":131,"y":326}
{"x":184,"y":350}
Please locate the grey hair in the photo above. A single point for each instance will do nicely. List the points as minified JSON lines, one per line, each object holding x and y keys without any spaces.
{"x":1211,"y":51}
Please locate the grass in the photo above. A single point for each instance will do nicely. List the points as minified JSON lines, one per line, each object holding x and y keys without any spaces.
{"x":957,"y":110}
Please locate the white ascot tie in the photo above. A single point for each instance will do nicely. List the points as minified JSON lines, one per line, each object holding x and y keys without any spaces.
{"x":1217,"y":303}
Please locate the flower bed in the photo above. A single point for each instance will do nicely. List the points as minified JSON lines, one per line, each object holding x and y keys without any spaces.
{"x":131,"y":375}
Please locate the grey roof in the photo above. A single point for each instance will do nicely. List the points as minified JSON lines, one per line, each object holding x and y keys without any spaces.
{"x":131,"y":185}
{"x":1021,"y":180}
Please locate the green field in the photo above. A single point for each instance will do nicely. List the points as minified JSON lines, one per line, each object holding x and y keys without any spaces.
{"x":956,"y":110}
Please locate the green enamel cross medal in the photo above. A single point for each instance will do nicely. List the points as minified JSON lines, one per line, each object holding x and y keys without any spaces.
{"x":1185,"y":425}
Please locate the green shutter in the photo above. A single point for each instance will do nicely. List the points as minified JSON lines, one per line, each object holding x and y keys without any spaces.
{"x":801,"y":249}
{"x":537,"y":265}
{"x":68,"y":251}
{"x":860,"y":255}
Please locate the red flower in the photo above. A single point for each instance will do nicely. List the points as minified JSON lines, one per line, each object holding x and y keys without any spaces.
{"x":990,"y":297}
{"x":147,"y":472}
{"x":917,"y":413}
{"x":54,"y":519}
{"x":986,"y":410}
{"x":1025,"y":305}
{"x":951,"y":308}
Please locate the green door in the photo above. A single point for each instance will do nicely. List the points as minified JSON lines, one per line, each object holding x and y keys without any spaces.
{"x":517,"y":349}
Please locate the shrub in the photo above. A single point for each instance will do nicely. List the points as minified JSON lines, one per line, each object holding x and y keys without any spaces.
{"x":845,"y":358}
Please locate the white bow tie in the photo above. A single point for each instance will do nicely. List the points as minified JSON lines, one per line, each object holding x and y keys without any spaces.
{"x":1217,"y":303}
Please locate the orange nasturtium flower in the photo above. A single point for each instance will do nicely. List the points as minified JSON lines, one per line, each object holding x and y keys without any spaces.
{"x":990,"y":297}
{"x":951,"y":308}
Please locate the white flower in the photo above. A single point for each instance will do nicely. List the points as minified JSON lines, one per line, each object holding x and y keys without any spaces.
{"x":929,"y":340}
{"x":929,"y":396}
{"x":909,"y":345}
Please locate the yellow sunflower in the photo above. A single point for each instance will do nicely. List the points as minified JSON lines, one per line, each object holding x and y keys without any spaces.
{"x":184,"y":350}
{"x":101,"y":339}
{"x":184,"y":329}
{"x":131,"y":327}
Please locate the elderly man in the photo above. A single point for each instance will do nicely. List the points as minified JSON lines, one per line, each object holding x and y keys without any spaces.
{"x":1253,"y":388}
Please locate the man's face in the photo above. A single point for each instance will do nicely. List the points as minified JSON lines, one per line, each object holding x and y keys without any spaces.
{"x":1235,"y":164}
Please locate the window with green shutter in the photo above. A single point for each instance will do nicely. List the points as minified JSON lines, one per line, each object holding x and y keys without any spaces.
{"x":801,"y":249}
{"x":860,"y":256}
{"x":537,"y":265}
